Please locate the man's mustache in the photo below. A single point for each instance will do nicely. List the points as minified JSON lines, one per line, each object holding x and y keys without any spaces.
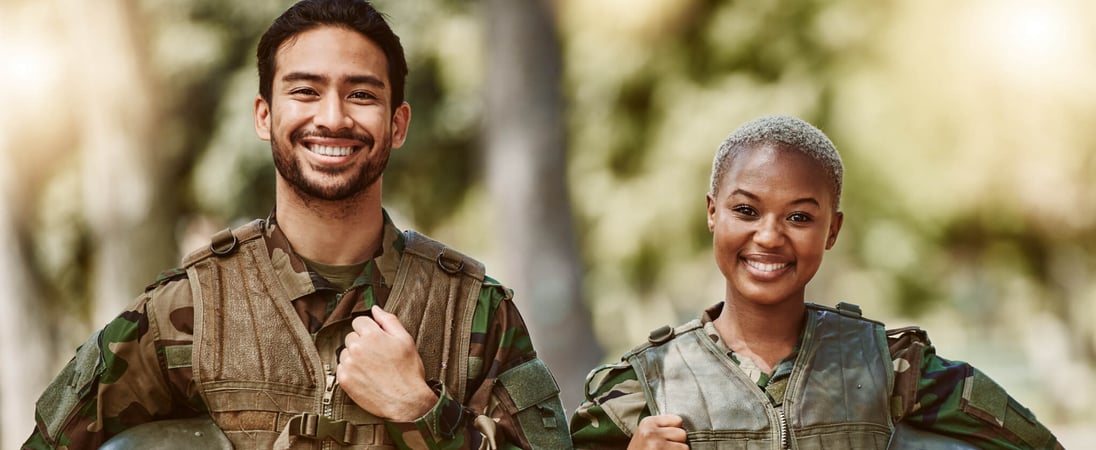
{"x":296,"y":136}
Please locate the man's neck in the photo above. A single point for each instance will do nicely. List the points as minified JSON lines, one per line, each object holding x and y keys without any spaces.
{"x":331,"y":232}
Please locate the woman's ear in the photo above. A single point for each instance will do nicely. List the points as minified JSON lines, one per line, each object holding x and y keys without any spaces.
{"x":711,"y":213}
{"x":835,"y":227}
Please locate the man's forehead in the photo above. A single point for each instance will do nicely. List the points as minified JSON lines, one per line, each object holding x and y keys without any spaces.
{"x":325,"y":43}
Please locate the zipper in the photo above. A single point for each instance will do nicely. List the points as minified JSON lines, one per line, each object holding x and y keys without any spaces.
{"x":328,"y":390}
{"x":328,"y":394}
{"x":783,"y":429}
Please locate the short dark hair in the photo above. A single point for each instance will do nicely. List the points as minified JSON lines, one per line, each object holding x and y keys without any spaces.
{"x":357,"y":15}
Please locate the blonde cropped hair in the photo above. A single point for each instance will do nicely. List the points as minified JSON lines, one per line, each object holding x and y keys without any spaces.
{"x":789,"y":132}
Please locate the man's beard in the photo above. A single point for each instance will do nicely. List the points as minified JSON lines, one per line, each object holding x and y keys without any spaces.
{"x":289,"y":167}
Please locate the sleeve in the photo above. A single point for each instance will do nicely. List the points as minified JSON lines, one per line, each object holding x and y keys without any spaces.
{"x":118,"y":379}
{"x":956,"y":400}
{"x":512,"y":400}
{"x":612,"y":411}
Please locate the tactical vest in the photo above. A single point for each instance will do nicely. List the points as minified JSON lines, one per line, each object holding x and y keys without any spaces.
{"x":262,"y":375}
{"x":837,"y":395}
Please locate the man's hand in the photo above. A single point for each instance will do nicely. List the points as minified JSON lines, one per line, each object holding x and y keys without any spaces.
{"x":655,"y":432}
{"x":381,"y":370}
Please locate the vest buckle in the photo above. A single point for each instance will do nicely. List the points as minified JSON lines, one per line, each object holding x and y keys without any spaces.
{"x":661,"y":335}
{"x":450,"y":265}
{"x":315,"y":426}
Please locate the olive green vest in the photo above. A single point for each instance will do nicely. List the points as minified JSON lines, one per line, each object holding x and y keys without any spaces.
{"x":837,"y":395}
{"x":263,"y":377}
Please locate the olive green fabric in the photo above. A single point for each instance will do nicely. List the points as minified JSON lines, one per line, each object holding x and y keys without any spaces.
{"x":927,"y":397}
{"x":536,"y":397}
{"x":69,"y":387}
{"x":837,"y":396}
{"x":243,"y":316}
{"x":143,"y":375}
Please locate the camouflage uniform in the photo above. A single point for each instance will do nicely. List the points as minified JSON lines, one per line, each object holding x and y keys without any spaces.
{"x":930,"y":393}
{"x":144,"y":372}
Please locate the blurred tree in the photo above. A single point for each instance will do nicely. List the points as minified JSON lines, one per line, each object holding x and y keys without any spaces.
{"x":527,"y":167}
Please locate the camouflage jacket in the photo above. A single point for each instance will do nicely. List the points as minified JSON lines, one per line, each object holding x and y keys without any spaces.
{"x":930,"y":393}
{"x":138,"y":378}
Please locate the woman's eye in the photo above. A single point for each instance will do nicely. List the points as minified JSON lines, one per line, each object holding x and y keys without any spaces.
{"x":744,"y":210}
{"x":799,"y":217}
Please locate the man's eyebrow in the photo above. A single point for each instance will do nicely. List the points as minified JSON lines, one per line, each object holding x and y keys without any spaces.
{"x":365,"y":79}
{"x":304,"y":76}
{"x":317,"y":78}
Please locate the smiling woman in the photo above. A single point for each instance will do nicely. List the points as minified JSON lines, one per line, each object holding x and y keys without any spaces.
{"x":766,"y":369}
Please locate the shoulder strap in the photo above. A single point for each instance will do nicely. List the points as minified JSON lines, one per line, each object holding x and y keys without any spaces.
{"x":846,"y":309}
{"x":661,"y":336}
{"x":226,"y":241}
{"x":435,"y":295}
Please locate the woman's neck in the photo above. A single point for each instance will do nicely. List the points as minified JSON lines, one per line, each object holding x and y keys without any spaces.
{"x":765,"y":333}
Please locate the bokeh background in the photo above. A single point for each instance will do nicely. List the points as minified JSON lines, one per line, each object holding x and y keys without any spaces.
{"x":568,"y":143}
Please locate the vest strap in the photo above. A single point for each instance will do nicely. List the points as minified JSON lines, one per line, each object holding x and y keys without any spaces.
{"x":315,"y":426}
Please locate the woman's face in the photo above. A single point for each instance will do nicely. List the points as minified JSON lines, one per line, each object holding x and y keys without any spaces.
{"x":772,"y":219}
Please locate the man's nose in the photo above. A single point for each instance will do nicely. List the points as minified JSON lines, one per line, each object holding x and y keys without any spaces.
{"x":332,"y":114}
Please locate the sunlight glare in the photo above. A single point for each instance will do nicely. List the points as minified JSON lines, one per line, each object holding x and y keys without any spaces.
{"x":1026,"y":39}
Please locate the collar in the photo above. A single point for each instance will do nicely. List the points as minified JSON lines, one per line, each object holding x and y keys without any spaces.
{"x":299,"y":281}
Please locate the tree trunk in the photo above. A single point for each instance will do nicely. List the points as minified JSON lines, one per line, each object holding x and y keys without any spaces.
{"x":25,"y":342}
{"x":527,"y":173}
{"x":128,"y":225}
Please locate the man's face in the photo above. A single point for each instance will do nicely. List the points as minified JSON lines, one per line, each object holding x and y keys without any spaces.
{"x":329,"y":120}
{"x":771,"y":221}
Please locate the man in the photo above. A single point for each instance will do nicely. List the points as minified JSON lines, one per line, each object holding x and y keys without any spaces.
{"x":323,"y":325}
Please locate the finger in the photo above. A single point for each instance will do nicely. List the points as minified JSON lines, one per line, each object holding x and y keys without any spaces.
{"x":665,"y":420}
{"x":389,"y":322}
{"x":364,"y":324}
{"x":673,"y":434}
{"x":351,"y":339}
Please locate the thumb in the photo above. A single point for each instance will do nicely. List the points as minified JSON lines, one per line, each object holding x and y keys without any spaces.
{"x":388,"y":322}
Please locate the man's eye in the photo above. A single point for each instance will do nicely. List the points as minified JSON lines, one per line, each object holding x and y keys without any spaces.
{"x":303,"y":92}
{"x":361,"y":95}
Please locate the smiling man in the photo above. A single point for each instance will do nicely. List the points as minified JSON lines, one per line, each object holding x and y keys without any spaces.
{"x":323,"y":325}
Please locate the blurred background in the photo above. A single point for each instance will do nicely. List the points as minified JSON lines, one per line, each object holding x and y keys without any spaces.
{"x":568,"y":144}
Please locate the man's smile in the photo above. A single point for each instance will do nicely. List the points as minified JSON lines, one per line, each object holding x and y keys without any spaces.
{"x":326,"y":150}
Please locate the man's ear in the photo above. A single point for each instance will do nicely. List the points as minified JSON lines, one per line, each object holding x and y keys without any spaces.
{"x":711,"y":213}
{"x":262,"y":118}
{"x":835,"y":227}
{"x":401,"y":120}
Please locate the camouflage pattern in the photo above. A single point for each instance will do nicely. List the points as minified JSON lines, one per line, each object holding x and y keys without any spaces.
{"x":144,"y":372}
{"x":930,"y":393}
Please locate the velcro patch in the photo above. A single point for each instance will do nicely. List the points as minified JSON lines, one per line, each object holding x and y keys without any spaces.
{"x":178,"y":356}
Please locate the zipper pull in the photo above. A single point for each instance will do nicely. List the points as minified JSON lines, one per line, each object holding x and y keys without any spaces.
{"x":329,"y":388}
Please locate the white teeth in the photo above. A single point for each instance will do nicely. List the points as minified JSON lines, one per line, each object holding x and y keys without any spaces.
{"x":331,"y":151}
{"x":766,"y":267}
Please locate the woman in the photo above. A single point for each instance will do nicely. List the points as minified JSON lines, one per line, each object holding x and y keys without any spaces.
{"x":765,"y":369}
